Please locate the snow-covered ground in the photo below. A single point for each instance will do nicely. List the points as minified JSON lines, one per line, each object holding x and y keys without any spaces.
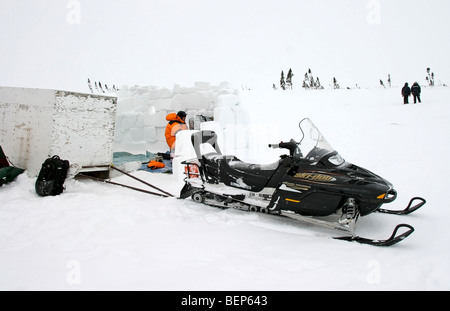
{"x":102,"y":237}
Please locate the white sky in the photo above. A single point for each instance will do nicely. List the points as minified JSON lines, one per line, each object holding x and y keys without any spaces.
{"x":52,"y":44}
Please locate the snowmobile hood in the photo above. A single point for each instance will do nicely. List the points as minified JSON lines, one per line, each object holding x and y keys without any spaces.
{"x":173,"y":117}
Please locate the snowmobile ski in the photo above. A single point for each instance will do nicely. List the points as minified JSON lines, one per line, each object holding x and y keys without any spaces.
{"x":394,"y":239}
{"x":408,"y":210}
{"x":346,"y":227}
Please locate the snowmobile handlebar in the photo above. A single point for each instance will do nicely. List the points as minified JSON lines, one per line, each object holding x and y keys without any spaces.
{"x":291,"y":146}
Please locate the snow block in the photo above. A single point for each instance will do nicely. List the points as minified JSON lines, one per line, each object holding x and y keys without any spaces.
{"x":225,"y":116}
{"x":184,"y":144}
{"x":227,"y":100}
{"x":162,"y":104}
{"x":125,"y":104}
{"x":158,"y":119}
{"x":202,"y":86}
{"x":161,"y":135}
{"x":126,"y":120}
{"x":193,"y":101}
{"x":150,"y":134}
{"x":141,"y":103}
{"x":137,"y":134}
{"x":36,"y":124}
{"x":140,"y":120}
{"x":146,"y":108}
{"x":178,"y":168}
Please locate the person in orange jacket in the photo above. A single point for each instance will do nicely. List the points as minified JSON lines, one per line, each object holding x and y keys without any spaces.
{"x":177,"y":122}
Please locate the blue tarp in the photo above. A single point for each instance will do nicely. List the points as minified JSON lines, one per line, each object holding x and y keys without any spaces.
{"x":124,"y":157}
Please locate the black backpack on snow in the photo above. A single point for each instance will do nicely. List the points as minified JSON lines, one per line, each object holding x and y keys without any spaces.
{"x":52,"y":177}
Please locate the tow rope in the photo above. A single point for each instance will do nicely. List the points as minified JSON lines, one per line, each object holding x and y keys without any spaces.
{"x":164,"y":194}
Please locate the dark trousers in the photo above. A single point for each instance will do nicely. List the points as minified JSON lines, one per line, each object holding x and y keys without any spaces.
{"x":416,"y":97}
{"x":405,"y":99}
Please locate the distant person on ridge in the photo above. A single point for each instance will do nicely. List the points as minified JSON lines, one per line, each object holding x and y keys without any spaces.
{"x":416,"y":90}
{"x":177,"y":122}
{"x":406,"y":92}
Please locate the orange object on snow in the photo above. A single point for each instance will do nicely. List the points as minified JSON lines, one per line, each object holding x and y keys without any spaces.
{"x":155,"y":165}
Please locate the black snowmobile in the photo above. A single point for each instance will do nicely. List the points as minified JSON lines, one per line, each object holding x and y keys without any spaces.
{"x":313,"y":184}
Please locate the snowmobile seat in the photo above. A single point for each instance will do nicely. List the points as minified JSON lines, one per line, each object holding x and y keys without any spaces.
{"x":233,"y":172}
{"x":228,"y":169}
{"x":258,"y":169}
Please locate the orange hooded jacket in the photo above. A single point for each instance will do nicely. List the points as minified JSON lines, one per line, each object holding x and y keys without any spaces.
{"x":175,"y":125}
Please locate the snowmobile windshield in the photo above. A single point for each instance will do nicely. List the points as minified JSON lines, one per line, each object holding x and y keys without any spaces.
{"x":314,"y":147}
